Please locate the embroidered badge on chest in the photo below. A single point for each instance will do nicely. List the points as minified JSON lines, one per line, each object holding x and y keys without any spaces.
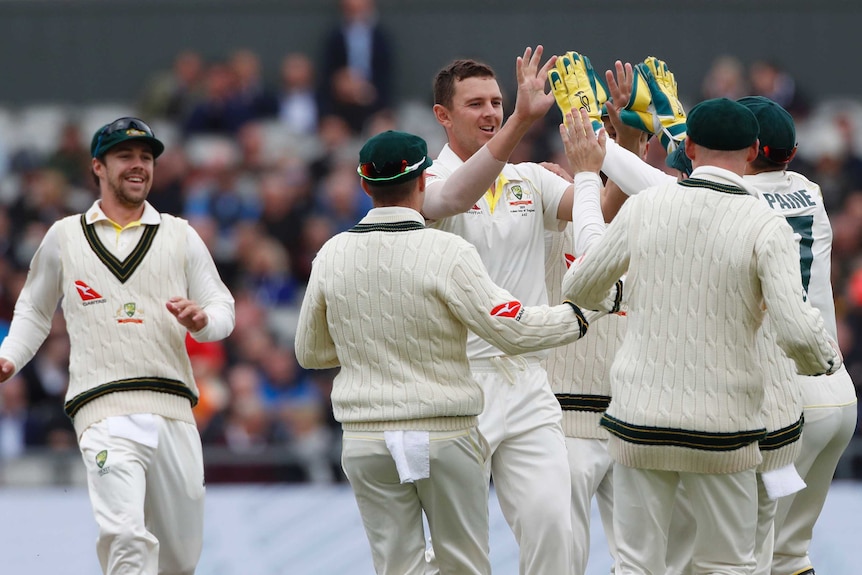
{"x":520,"y":199}
{"x":129,"y":313}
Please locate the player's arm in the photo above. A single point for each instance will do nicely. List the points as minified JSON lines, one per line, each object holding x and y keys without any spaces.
{"x":209,"y":312}
{"x":584,"y":153}
{"x":593,"y":280}
{"x":798,"y":326}
{"x":629,"y":138}
{"x":498,"y":317}
{"x":34,"y":310}
{"x":314,"y":346}
{"x":464,"y":187}
{"x":626,"y":168}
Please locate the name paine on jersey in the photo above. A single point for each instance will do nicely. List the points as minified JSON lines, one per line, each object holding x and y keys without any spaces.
{"x":792,"y":201}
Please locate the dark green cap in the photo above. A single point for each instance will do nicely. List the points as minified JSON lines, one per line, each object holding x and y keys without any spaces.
{"x":722,"y":124}
{"x":123,"y":130}
{"x":777,"y":130}
{"x":392,"y":158}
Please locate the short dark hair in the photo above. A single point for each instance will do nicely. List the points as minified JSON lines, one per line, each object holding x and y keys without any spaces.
{"x":444,"y":81}
{"x":762,"y":163}
{"x":392,"y":194}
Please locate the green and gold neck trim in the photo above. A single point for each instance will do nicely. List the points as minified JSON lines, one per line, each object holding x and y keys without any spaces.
{"x":386,"y":227}
{"x":124,"y":269}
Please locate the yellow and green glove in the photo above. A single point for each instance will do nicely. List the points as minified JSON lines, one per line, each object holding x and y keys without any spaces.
{"x":654,"y":106}
{"x":576,"y":85}
{"x":663,"y":90}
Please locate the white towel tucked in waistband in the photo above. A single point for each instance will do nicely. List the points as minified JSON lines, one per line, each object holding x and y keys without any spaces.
{"x":411,"y":451}
{"x":782,"y":482}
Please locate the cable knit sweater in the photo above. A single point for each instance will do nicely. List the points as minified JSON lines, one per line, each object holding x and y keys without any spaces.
{"x":391,"y":301}
{"x":704,"y":257}
{"x":578,"y":372}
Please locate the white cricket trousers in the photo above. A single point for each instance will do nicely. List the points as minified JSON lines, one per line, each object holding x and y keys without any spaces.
{"x":522,"y":422}
{"x":680,"y":544}
{"x":724,"y":507}
{"x":454,"y":498}
{"x":148,"y":500}
{"x":825,"y":436}
{"x":592,"y":473}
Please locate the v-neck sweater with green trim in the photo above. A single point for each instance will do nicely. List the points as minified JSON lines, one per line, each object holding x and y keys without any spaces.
{"x":130,"y":356}
{"x":704,"y":259}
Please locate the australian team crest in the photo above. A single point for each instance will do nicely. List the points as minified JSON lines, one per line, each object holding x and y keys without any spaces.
{"x":129,"y":313}
{"x":520,"y":199}
{"x":101,"y":459}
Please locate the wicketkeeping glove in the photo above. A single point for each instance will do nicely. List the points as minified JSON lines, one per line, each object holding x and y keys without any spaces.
{"x":654,"y":106}
{"x":639,"y":112}
{"x":576,"y":85}
{"x":663,"y":90}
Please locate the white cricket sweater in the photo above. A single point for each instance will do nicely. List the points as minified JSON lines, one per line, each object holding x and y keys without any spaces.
{"x":704,"y":257}
{"x":129,"y":353}
{"x":579,"y":372}
{"x":391,"y":302}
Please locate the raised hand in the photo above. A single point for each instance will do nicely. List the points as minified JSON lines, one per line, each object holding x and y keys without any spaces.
{"x":584,"y":151}
{"x":532,"y":101}
{"x":576,"y":85}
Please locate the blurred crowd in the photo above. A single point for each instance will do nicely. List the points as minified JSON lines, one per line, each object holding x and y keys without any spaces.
{"x":263,"y":165}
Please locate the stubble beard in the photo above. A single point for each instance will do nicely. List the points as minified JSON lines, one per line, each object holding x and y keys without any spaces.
{"x":124,"y":197}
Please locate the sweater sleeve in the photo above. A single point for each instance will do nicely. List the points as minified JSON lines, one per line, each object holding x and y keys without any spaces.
{"x":36,"y":303}
{"x":798,"y":326}
{"x":495,"y":315}
{"x":314,"y":346}
{"x":629,"y":172}
{"x":207,"y":288}
{"x":592,"y":277}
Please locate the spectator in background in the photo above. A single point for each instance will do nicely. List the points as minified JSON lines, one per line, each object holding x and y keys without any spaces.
{"x":357,"y":68}
{"x":252,"y":93}
{"x":316,"y":230}
{"x":265,"y":269}
{"x":725,"y":79}
{"x":769,"y":79}
{"x":340,"y":199}
{"x":829,"y":158}
{"x":298,"y":108}
{"x":169,"y":182}
{"x":285,"y":202}
{"x":337,"y":142}
{"x":220,"y":192}
{"x":220,"y":111}
{"x":71,"y":157}
{"x":172,"y":94}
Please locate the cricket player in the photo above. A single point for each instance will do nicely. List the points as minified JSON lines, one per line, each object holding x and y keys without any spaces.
{"x":828,"y":404}
{"x":132,"y":283}
{"x":676,"y":241}
{"x":390,"y":302}
{"x":504,"y":214}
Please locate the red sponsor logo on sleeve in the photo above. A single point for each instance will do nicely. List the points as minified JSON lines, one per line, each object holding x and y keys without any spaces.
{"x":508,"y":309}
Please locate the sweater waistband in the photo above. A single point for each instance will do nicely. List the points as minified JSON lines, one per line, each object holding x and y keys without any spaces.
{"x":158,"y":384}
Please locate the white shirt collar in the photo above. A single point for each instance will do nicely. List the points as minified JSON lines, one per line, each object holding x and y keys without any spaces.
{"x":392,"y":214}
{"x":720,"y":175}
{"x":149,"y":217}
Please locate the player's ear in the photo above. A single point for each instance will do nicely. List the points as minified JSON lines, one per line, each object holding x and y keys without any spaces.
{"x":442,"y":115}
